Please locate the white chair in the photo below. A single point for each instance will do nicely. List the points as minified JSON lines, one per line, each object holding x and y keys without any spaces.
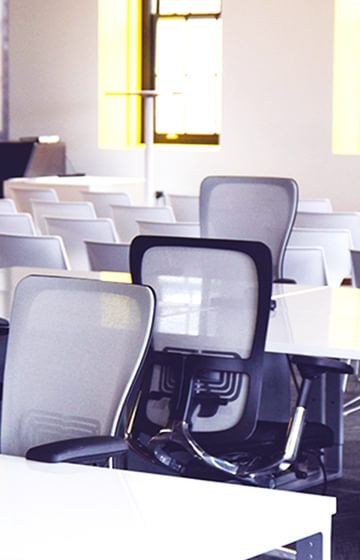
{"x":314,"y":205}
{"x":103,"y":200}
{"x":74,"y":231}
{"x":185,"y":207}
{"x":333,"y":220}
{"x":7,"y":206}
{"x":23,"y":196}
{"x":33,"y":251}
{"x":306,"y":265}
{"x":336,"y":244}
{"x":176,"y":229}
{"x":21,"y":223}
{"x":125,"y":218}
{"x":108,"y":256}
{"x":77,"y":209}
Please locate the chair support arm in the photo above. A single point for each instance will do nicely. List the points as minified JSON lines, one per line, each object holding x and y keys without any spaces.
{"x":78,"y":450}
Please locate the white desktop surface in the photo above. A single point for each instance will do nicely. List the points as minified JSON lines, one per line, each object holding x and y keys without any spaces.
{"x":315,"y":321}
{"x":69,"y":511}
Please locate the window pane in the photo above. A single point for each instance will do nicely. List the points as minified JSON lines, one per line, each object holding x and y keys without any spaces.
{"x":188,"y":61}
{"x":189,"y":7}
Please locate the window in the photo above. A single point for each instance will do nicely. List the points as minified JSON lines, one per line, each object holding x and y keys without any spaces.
{"x":172,"y":46}
{"x":182,"y":60}
{"x":346,"y":78}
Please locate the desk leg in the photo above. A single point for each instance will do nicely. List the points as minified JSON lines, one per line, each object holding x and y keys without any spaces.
{"x":326,"y":405}
{"x":315,"y":547}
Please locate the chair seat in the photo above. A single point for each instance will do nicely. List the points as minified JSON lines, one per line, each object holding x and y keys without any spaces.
{"x":269,"y":438}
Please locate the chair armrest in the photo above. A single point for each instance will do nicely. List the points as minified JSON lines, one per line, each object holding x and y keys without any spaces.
{"x":78,"y":450}
{"x":311,"y":366}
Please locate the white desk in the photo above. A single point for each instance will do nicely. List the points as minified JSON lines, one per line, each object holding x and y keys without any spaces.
{"x":70,"y":511}
{"x":315,"y":321}
{"x":68,"y":187}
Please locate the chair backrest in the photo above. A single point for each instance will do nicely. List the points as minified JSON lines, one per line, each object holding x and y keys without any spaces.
{"x":7,"y":206}
{"x":185,"y":206}
{"x":176,"y":229}
{"x":213,"y":300}
{"x":74,"y":352}
{"x":102,"y":201}
{"x":74,"y":231}
{"x":62,"y":209}
{"x":24,"y":195}
{"x":336,"y":244}
{"x":125,"y":218}
{"x":306,"y":265}
{"x":314,"y":205}
{"x":253,"y":208}
{"x":21,"y":223}
{"x":33,"y":251}
{"x":333,"y":220}
{"x":355,"y":266}
{"x":108,"y":256}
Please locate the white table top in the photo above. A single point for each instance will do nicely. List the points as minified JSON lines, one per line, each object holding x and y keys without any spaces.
{"x":71,"y":511}
{"x":315,"y":321}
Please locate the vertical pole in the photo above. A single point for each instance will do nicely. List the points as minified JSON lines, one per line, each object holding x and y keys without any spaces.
{"x":149,"y":143}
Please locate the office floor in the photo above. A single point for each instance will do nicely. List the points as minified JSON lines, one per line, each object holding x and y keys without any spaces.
{"x":346,"y":523}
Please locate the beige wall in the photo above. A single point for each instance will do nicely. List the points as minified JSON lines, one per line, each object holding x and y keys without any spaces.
{"x":277,"y":96}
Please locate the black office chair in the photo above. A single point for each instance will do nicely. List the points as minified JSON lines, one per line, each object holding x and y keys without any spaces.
{"x":74,"y":354}
{"x":198,"y":410}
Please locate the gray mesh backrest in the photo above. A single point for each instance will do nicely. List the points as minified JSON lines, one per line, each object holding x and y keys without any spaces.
{"x":250,"y":208}
{"x":74,"y":349}
{"x":125,"y":218}
{"x":33,"y":251}
{"x":62,"y":209}
{"x":108,"y":256}
{"x":103,"y":200}
{"x":23,"y":196}
{"x":21,"y":223}
{"x":207,"y":300}
{"x":332,"y":220}
{"x":199,"y":305}
{"x":74,"y":231}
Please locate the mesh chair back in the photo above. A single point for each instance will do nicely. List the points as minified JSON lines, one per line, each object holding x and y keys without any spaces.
{"x":332,"y":220}
{"x":63,"y":209}
{"x":102,"y":201}
{"x":185,"y":207}
{"x":33,"y":251}
{"x":108,"y":256}
{"x":125,"y":218}
{"x":7,"y":206}
{"x":23,"y":196}
{"x":21,"y":223}
{"x":253,"y":208}
{"x":175,"y":229}
{"x":74,"y":232}
{"x":213,"y":301}
{"x":75,"y":349}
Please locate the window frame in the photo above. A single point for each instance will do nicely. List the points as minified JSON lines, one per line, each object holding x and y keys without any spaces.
{"x":150,"y":17}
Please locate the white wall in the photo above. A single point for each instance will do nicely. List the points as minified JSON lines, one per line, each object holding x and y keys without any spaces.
{"x":277,"y":96}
